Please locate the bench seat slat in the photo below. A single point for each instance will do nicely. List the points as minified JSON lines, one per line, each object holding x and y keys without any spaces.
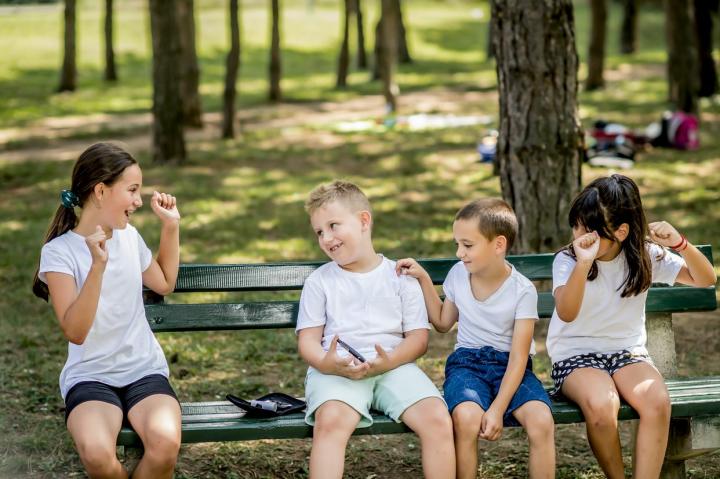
{"x":290,"y":276}
{"x":283,"y":314}
{"x":222,"y":421}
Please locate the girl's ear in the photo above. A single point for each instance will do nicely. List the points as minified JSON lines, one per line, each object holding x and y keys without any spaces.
{"x":622,"y":232}
{"x":98,"y":191}
{"x":365,"y":220}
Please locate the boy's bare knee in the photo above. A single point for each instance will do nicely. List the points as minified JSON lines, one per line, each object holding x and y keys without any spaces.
{"x":466,"y":418}
{"x":540,"y":427}
{"x":436,"y":422}
{"x":332,"y":418}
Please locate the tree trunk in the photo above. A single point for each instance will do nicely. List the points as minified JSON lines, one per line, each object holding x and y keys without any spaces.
{"x":539,"y":147}
{"x":361,"y":55}
{"x":168,"y":138}
{"x":110,"y":72}
{"x":628,"y":32}
{"x":232,"y":63}
{"x":68,"y":72}
{"x":275,"y":93}
{"x":704,"y":11}
{"x":596,"y":51}
{"x":389,"y":47}
{"x":189,"y":69}
{"x":378,"y":50}
{"x":403,"y":53}
{"x":683,"y":70}
{"x":344,"y":57}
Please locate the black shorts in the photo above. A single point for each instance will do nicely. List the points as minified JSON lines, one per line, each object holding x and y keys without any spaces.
{"x":123,"y":397}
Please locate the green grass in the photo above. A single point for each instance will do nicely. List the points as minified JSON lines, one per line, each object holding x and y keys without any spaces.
{"x":241,"y":201}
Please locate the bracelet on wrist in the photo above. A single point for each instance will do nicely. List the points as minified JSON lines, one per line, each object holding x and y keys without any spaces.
{"x":681,"y":245}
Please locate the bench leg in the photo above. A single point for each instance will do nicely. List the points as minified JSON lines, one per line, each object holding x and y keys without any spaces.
{"x":679,"y":441}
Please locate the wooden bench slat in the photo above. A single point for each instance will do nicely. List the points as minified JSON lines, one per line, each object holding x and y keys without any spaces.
{"x":290,"y":276}
{"x":283,"y":314}
{"x":222,"y":421}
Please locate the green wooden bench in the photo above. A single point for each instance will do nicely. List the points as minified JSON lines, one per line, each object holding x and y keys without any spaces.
{"x":695,"y":401}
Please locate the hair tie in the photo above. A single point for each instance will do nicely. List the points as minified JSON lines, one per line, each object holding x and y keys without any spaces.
{"x":69,"y":199}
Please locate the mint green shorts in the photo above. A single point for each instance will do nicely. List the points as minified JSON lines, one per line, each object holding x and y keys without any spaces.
{"x":390,"y":393}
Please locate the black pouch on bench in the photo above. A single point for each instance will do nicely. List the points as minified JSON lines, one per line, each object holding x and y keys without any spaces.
{"x":269,"y":405}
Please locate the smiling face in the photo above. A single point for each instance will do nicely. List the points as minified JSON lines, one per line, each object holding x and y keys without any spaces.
{"x":343,"y":235}
{"x":475,"y":250}
{"x":122,"y":198}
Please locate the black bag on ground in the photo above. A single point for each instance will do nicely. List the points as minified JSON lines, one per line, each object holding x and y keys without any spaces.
{"x":269,"y":405}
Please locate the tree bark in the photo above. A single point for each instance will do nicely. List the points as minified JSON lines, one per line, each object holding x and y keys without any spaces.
{"x":539,"y":147}
{"x":704,"y":11}
{"x":683,"y":70}
{"x":490,"y":48}
{"x":168,"y":137}
{"x":275,"y":93}
{"x":344,"y":57}
{"x":388,"y":51}
{"x":361,"y":54}
{"x":189,"y":69}
{"x":377,"y":50}
{"x":403,"y":52}
{"x":68,"y":72}
{"x":110,"y":71}
{"x":596,"y":50}
{"x":232,"y":64}
{"x":628,"y":32}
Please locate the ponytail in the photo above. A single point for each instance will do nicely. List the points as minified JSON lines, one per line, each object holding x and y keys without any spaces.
{"x":65,"y":219}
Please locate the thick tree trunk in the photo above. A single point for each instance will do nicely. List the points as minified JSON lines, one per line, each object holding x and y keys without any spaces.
{"x":232,"y":63}
{"x":683,"y":70}
{"x":168,"y":138}
{"x":110,"y":72}
{"x":596,"y":51}
{"x":388,"y":51}
{"x":275,"y":94}
{"x":403,"y":52}
{"x":68,"y":72}
{"x":539,"y":147}
{"x":628,"y":32}
{"x":378,"y":50}
{"x":361,"y":54}
{"x":344,"y":57}
{"x":704,"y":11}
{"x":189,"y":69}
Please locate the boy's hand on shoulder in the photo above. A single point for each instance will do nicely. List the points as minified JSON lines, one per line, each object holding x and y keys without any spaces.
{"x":381,"y":363}
{"x":491,"y":425}
{"x":409,"y":267}
{"x":332,"y":363}
{"x":165,"y":207}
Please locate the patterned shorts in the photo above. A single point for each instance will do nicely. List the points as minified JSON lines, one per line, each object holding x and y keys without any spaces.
{"x":610,"y":363}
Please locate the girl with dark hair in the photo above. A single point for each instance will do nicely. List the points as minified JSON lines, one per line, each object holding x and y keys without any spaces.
{"x":92,"y":268}
{"x":597,"y":338}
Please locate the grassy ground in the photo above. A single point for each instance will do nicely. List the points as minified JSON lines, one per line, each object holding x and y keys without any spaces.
{"x":241,"y":201}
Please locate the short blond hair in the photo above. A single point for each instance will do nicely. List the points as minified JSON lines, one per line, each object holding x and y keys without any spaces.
{"x":349,"y":194}
{"x":494,"y":216}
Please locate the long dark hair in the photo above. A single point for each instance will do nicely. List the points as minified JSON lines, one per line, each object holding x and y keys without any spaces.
{"x":99,"y":163}
{"x":603,"y":206}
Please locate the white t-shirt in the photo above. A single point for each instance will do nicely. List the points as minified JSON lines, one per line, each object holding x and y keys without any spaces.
{"x":363,"y":309}
{"x":606,"y":322}
{"x":120,"y":347}
{"x":490,"y":322}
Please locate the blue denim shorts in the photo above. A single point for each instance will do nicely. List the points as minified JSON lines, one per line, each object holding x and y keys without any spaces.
{"x":475,"y":375}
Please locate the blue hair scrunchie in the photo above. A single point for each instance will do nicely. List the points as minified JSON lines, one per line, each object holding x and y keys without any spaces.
{"x":69,"y":199}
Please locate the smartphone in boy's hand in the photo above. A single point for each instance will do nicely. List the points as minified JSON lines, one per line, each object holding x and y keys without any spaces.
{"x":352,"y":351}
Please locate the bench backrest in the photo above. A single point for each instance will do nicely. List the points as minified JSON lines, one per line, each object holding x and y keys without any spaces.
{"x":290,"y":276}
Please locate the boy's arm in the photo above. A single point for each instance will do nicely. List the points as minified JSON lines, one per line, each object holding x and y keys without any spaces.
{"x":492,"y":421}
{"x":410,"y":348}
{"x":310,"y":349}
{"x":442,"y":315}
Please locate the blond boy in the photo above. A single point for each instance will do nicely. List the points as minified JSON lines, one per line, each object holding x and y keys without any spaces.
{"x":358,"y":298}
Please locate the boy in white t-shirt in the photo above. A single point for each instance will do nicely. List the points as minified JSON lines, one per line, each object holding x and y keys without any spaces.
{"x":488,"y":378}
{"x":357,"y":299}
